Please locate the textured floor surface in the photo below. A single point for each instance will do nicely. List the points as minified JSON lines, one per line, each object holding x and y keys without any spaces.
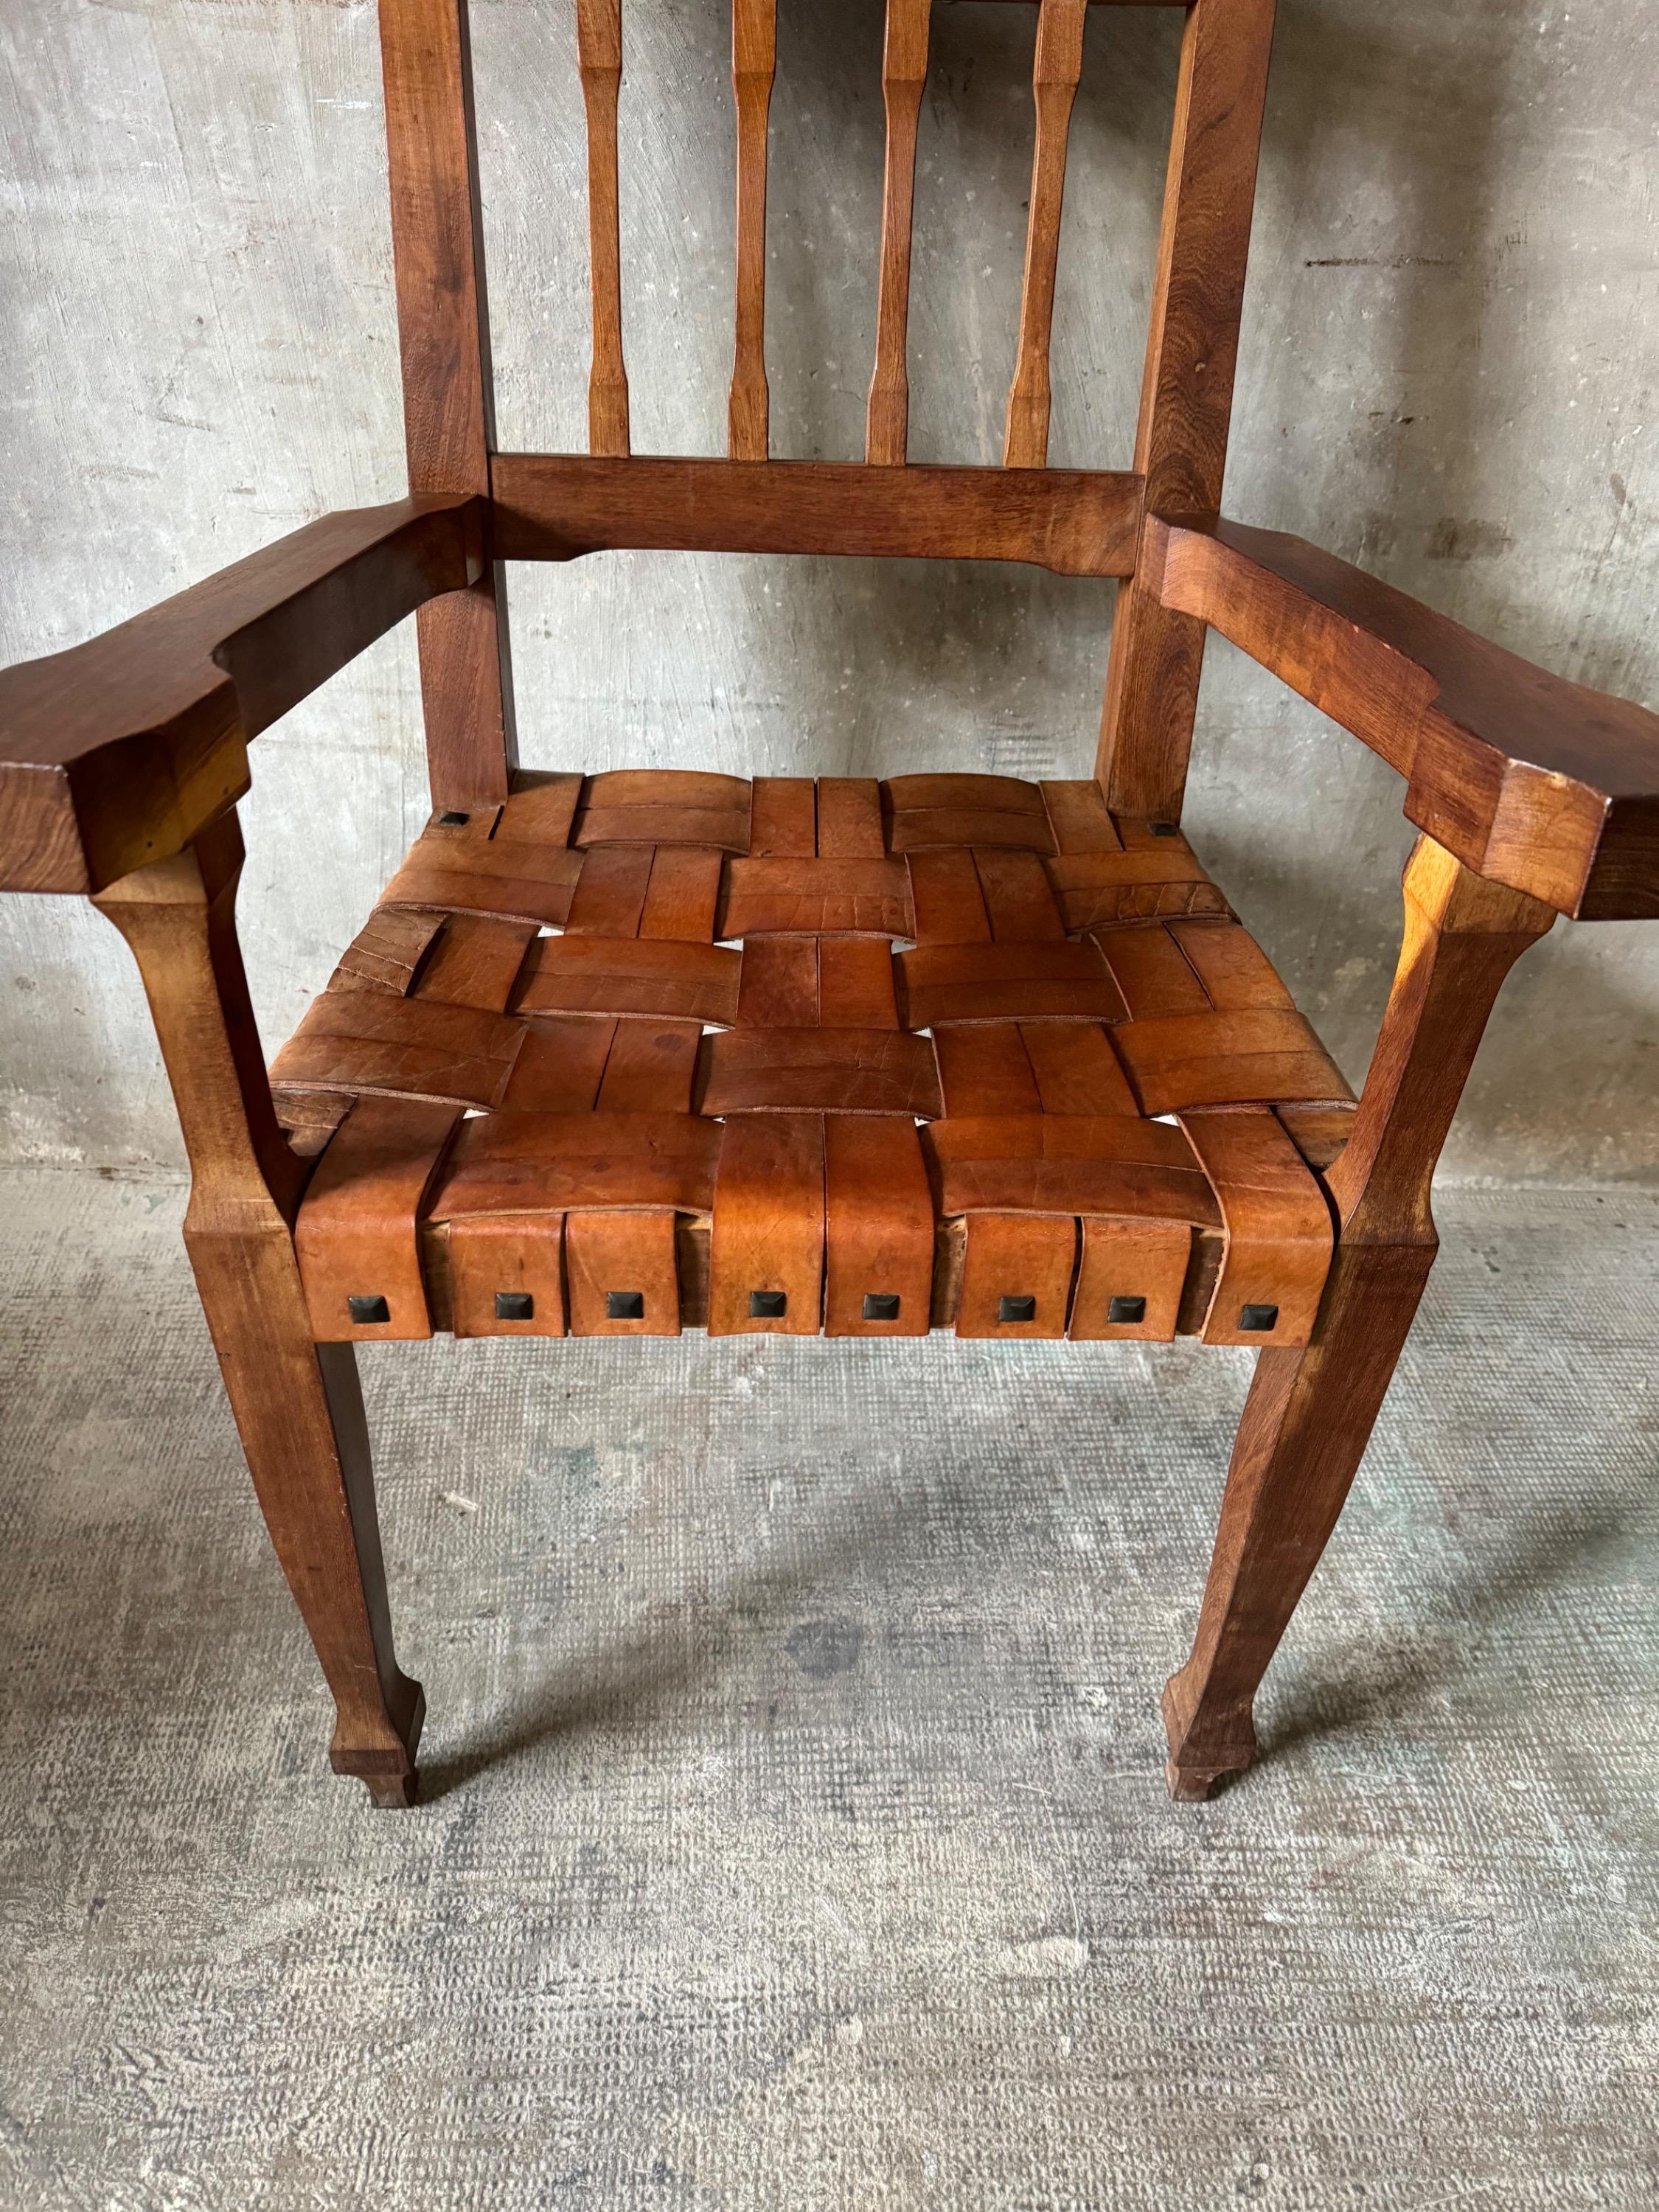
{"x":796,"y":1834}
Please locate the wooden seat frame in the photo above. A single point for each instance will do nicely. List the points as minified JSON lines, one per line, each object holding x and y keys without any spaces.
{"x":122,"y":760}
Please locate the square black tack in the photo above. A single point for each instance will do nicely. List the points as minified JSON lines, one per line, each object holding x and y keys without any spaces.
{"x":1017,"y":1309}
{"x":368,"y":1307}
{"x":624,"y":1305}
{"x":515,"y":1306}
{"x":768,"y":1305}
{"x":1164,"y":829}
{"x":881,"y":1305}
{"x":451,"y":820}
{"x":1125,"y":1313}
{"x":1259,"y":1318}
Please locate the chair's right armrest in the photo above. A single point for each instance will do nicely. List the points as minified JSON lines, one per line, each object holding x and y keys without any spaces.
{"x":117,"y":753}
{"x":1530,"y":781}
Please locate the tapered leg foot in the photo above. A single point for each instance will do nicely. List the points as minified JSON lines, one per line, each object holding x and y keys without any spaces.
{"x":388,"y":1770}
{"x":1200,"y":1760}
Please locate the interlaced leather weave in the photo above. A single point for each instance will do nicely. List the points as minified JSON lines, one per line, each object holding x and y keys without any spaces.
{"x":656,"y":1048}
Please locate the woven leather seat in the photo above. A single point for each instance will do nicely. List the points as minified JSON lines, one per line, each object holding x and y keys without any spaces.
{"x":655,"y":1049}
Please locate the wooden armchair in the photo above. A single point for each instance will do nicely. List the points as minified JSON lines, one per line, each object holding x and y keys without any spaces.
{"x":625,"y":1053}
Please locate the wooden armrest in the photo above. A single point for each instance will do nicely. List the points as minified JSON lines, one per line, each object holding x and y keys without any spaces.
{"x":1530,"y":781}
{"x":116,"y":753}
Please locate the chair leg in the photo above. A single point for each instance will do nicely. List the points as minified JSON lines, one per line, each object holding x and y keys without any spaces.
{"x":296,"y":1402}
{"x":1304,"y":1429}
{"x":299,"y":1413}
{"x":1309,"y":1413}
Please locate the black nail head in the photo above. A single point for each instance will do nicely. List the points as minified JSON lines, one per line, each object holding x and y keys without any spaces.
{"x":368,"y":1309}
{"x":1164,"y":829}
{"x":515,"y":1306}
{"x":768,"y":1305}
{"x":1262,"y":1318}
{"x":451,"y":820}
{"x":624,"y":1305}
{"x":1124,"y":1313}
{"x":1020,"y":1309}
{"x":881,"y":1305}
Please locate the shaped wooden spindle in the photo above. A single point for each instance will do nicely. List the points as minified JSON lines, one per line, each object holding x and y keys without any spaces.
{"x":1055,"y":74}
{"x":754,"y":61}
{"x":598,"y":50}
{"x":903,"y":74}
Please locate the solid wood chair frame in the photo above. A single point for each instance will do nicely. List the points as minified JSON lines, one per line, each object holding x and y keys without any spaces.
{"x":122,"y":760}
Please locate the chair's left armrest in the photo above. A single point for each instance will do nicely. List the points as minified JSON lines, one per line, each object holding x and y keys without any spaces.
{"x":116,"y":753}
{"x":1530,"y":781}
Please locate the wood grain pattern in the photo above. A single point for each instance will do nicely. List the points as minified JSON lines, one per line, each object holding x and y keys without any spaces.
{"x":599,"y":61}
{"x":754,"y":61}
{"x":443,"y":329}
{"x":114,"y":754}
{"x":903,"y":74}
{"x":554,"y":507}
{"x":1309,"y":1413}
{"x":1186,"y":394}
{"x":1057,"y":66}
{"x":1535,"y":782}
{"x":298,"y":1408}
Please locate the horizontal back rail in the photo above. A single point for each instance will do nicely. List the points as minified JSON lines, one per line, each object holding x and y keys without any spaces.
{"x":553,"y":507}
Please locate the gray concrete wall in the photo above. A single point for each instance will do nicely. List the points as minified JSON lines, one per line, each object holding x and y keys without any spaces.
{"x":1451,"y":372}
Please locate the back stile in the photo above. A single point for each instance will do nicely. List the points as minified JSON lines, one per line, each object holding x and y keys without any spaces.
{"x":443,"y":330}
{"x":1185,"y":398}
{"x":1055,"y":75}
{"x":599,"y":54}
{"x":754,"y":61}
{"x":904,"y":73}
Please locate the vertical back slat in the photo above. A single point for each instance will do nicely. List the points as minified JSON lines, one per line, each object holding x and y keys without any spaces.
{"x":443,"y":329}
{"x":1055,"y":75}
{"x":1186,"y":399}
{"x":754,"y":60}
{"x":903,"y":74}
{"x":598,"y":58}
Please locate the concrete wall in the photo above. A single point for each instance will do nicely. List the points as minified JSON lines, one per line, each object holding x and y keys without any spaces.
{"x":1451,"y":372}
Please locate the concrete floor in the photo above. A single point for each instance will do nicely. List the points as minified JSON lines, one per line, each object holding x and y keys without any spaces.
{"x":796,"y":1834}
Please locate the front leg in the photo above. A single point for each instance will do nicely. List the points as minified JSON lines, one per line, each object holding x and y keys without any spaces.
{"x":1309,"y":1413}
{"x":297,"y":1405}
